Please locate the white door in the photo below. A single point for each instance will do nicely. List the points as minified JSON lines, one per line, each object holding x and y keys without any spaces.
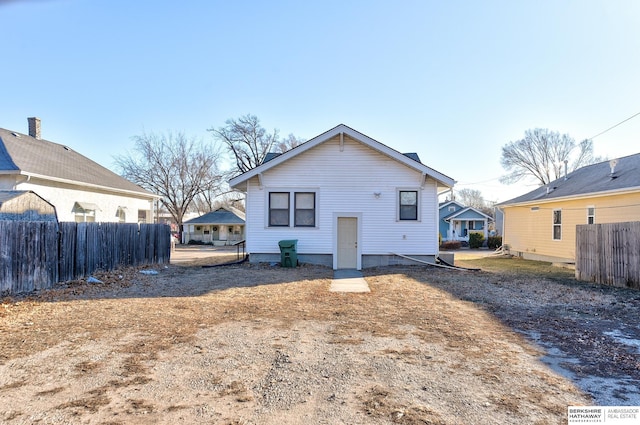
{"x":347,"y":242}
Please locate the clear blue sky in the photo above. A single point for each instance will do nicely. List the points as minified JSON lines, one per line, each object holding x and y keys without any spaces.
{"x":451,"y":80}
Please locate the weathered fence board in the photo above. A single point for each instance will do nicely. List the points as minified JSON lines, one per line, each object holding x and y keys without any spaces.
{"x":609,"y":253}
{"x":36,"y":255}
{"x":28,"y":255}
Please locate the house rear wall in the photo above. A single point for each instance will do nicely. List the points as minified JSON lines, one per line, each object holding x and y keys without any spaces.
{"x":345,"y":182}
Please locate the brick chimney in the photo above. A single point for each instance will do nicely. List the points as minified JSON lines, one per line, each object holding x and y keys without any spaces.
{"x":34,"y":127}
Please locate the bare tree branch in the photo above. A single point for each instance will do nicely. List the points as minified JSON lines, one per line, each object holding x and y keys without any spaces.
{"x":288,"y":143}
{"x":541,"y":155}
{"x":246,"y":140}
{"x":473,"y":198}
{"x":175,"y":167}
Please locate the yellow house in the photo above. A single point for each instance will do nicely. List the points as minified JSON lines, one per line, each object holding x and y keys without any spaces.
{"x":541,"y":225}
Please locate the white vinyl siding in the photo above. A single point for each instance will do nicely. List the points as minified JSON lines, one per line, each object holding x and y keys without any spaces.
{"x":357,"y":174}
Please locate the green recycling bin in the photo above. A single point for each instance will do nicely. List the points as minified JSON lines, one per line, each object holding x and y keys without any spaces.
{"x":288,"y":253}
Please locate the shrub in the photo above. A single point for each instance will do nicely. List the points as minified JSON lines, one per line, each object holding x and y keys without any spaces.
{"x":476,"y":240}
{"x":494,"y":242}
{"x":450,"y":245}
{"x":195,"y":242}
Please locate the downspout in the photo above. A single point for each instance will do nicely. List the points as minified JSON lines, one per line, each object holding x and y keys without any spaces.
{"x":26,"y":180}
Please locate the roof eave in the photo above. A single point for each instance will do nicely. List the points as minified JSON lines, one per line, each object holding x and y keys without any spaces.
{"x":145,"y":194}
{"x":621,"y":191}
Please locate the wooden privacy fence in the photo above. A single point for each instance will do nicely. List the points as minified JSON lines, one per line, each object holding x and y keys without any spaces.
{"x":609,"y":253}
{"x":36,"y":255}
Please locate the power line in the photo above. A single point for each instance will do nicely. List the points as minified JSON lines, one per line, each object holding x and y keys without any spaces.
{"x":611,"y":128}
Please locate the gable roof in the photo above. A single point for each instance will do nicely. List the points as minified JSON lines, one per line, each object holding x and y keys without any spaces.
{"x":590,"y":180}
{"x":465,"y":210}
{"x":411,"y":160}
{"x":28,"y":156}
{"x":441,"y":205}
{"x":219,"y":216}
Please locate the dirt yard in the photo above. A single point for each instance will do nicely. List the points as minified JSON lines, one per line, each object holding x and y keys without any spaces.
{"x":255,"y":344}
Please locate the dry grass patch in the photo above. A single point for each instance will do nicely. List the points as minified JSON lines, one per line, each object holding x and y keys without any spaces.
{"x":260,"y":344}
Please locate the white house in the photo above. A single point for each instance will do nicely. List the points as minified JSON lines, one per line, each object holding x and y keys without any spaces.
{"x":349,"y":200}
{"x":79,"y":188}
{"x":224,"y":226}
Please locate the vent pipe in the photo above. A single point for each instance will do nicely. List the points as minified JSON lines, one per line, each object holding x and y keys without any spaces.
{"x":613,"y":164}
{"x":565,"y":168}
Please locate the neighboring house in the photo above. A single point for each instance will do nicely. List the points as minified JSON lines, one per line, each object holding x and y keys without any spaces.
{"x":349,"y":200}
{"x":457,"y":221}
{"x":541,"y":224}
{"x":80,"y":189}
{"x":223,"y":226}
{"x":25,"y":205}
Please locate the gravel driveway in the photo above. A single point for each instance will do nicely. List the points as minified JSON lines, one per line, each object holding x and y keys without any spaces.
{"x":251,"y":344}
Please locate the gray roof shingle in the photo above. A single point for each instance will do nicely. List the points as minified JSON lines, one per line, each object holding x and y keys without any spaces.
{"x":23,"y":153}
{"x":219,"y":216}
{"x":595,"y":178}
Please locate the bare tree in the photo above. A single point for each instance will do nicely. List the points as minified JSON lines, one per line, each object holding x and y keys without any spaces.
{"x":541,"y":155}
{"x":173,"y":166}
{"x":288,"y":143}
{"x":474,"y":198}
{"x":246,"y":140}
{"x":471,"y":198}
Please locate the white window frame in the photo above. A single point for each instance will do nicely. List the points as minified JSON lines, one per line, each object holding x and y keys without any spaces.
{"x":121,"y":213}
{"x":295,"y":208}
{"x":554,"y":224}
{"x":418,"y":204}
{"x":279,"y":192}
{"x":292,"y":207}
{"x":86,"y":216}
{"x":592,"y":216}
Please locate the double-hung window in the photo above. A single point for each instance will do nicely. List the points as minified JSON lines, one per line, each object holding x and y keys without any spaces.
{"x":591,"y":215}
{"x":557,"y":225}
{"x":279,"y":209}
{"x":408,"y":208}
{"x":305,"y":213}
{"x":298,"y":208}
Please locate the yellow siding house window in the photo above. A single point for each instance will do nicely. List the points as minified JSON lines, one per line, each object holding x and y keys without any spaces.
{"x":557,"y":225}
